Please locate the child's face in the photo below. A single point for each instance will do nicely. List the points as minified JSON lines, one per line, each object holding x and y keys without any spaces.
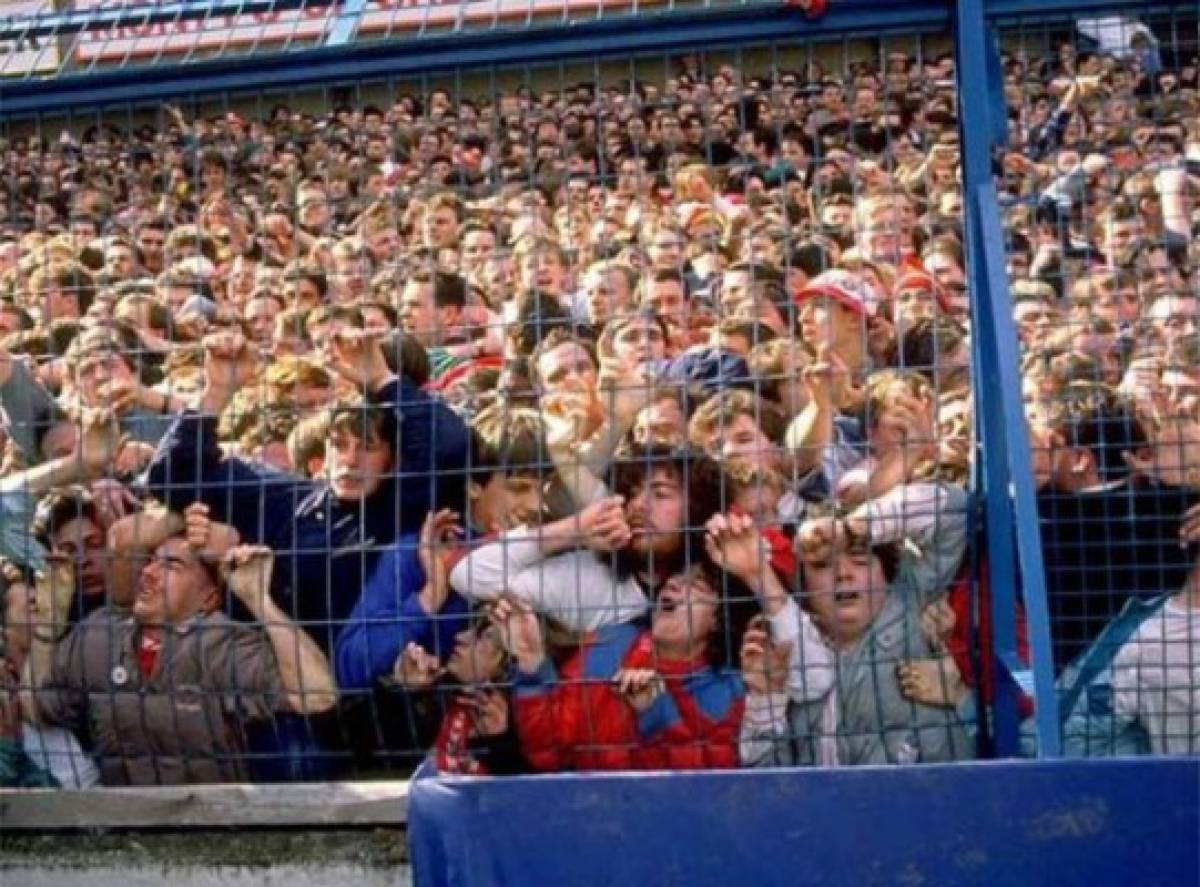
{"x":506,"y":501}
{"x":477,"y":656}
{"x":845,"y":593}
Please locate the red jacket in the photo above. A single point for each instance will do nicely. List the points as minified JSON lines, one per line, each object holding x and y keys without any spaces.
{"x":576,"y":720}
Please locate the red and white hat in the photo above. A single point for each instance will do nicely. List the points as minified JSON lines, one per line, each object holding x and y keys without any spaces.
{"x":844,"y":287}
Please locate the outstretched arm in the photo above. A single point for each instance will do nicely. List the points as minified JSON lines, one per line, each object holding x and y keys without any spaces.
{"x":304,"y":672}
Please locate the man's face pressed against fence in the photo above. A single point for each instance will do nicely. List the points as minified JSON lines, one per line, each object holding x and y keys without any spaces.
{"x":654,"y":509}
{"x":174,"y":586}
{"x":82,"y":540}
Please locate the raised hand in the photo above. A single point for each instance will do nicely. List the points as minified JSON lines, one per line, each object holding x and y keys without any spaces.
{"x":144,"y":530}
{"x":124,"y":393}
{"x":828,"y":380}
{"x":357,"y":356}
{"x":764,"y":662}
{"x":629,"y":385}
{"x":819,"y":537}
{"x":112,"y":499}
{"x":911,"y":419}
{"x":440,"y":528}
{"x":931,"y":681}
{"x":229,"y":364}
{"x":211,"y":539}
{"x":566,"y":416}
{"x":735,"y":545}
{"x":604,"y":526}
{"x":133,"y":456}
{"x":416,"y":669}
{"x":489,"y":712}
{"x":99,"y":440}
{"x":1189,"y":528}
{"x":54,"y":590}
{"x":247,"y":572}
{"x":520,"y":632}
{"x":937,"y":623}
{"x":639,"y":687}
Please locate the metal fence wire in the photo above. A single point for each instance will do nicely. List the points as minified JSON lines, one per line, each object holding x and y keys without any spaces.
{"x":609,"y":414}
{"x":1100,"y":218}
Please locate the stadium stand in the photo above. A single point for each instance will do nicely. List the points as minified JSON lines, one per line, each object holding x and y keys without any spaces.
{"x":620,"y":414}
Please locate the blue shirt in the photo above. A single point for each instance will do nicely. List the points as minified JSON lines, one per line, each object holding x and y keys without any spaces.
{"x":389,"y":616}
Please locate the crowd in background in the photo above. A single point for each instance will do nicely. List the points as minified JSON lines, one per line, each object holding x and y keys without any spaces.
{"x":599,"y":427}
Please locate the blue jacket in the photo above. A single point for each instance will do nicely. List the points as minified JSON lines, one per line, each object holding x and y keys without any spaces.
{"x":1091,"y":725}
{"x":389,"y":616}
{"x":324,"y":547}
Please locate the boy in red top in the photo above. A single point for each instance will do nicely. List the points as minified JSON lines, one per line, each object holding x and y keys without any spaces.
{"x":631,"y":698}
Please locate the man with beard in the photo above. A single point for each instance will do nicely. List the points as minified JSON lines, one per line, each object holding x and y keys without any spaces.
{"x":600,"y":566}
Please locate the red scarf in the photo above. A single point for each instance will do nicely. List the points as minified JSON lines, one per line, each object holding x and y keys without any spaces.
{"x":453,"y":746}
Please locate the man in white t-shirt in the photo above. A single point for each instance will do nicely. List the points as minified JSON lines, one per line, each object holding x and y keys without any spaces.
{"x":1156,"y":674}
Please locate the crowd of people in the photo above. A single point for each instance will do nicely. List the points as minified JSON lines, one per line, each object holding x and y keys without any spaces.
{"x":616,"y":426}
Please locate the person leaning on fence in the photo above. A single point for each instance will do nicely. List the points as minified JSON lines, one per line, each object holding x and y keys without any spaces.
{"x":604,"y":563}
{"x":463,"y":709}
{"x":866,"y":591}
{"x":1136,"y":688}
{"x":389,"y":462}
{"x":28,"y":750}
{"x":18,"y":769}
{"x":630,"y":698}
{"x":1110,"y":511}
{"x":165,"y":695}
{"x":400,"y":602}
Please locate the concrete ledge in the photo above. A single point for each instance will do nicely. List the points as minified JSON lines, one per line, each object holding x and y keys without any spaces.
{"x":327,"y":804}
{"x":207,"y":857}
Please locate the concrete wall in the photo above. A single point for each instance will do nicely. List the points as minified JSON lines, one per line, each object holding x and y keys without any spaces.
{"x":210,"y":858}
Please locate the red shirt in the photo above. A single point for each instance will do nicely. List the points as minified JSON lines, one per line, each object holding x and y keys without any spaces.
{"x":149,"y":648}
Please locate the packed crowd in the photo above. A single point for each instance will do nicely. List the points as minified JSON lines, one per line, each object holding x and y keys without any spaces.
{"x":596,"y":428}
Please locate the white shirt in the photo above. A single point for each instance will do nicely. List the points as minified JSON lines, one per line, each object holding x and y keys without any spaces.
{"x":1156,"y":679}
{"x":575,"y":587}
{"x":57,"y":750}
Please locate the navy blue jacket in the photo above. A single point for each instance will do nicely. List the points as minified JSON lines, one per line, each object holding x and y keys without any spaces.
{"x":324,"y":547}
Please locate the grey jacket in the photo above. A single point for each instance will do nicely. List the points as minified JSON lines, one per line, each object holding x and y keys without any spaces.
{"x":182,"y":724}
{"x":865,"y":719}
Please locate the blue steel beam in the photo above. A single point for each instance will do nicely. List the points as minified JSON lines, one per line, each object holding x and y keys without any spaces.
{"x":617,"y":37}
{"x":77,"y":21}
{"x":1001,"y":9}
{"x":1007,"y":475}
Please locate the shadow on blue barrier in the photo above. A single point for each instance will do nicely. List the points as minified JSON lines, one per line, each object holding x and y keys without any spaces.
{"x":1119,"y":822}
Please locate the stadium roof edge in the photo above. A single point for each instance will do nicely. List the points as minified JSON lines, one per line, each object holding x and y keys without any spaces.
{"x":430,"y":54}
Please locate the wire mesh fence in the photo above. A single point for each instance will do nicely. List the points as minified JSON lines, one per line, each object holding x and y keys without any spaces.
{"x":1101,"y":218}
{"x":614,"y":414}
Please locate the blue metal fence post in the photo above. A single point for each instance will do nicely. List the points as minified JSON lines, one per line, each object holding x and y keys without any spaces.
{"x":1013,"y":541}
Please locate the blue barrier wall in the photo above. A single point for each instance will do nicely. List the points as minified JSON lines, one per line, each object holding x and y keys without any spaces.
{"x":1118,"y":822}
